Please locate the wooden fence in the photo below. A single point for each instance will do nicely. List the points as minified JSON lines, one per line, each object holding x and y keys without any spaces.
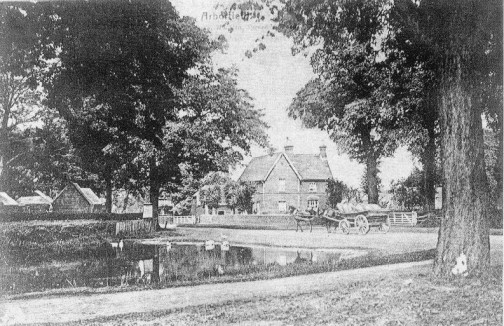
{"x":403,"y":218}
{"x":436,"y":215}
{"x":177,"y":220}
{"x":133,"y":227}
{"x":279,"y":221}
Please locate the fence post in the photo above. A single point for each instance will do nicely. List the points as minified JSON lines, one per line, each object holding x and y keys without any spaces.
{"x":414,"y":219}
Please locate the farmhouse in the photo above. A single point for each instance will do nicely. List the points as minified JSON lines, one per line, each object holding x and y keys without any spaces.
{"x":39,"y":202}
{"x":286,"y":179}
{"x":74,"y":199}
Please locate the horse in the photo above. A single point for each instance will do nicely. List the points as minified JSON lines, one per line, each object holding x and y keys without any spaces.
{"x":330,"y":214}
{"x":303,"y":216}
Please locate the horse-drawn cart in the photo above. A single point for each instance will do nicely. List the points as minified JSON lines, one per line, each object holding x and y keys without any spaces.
{"x":361,"y":216}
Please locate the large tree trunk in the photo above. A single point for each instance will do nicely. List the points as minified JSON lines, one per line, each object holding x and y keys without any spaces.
{"x":108,"y":193}
{"x":155,"y":265}
{"x":372,"y":179}
{"x":498,"y":170}
{"x":371,"y":186}
{"x":4,"y":141}
{"x":154,"y":192}
{"x":464,"y":226}
{"x":428,"y":157}
{"x":429,"y":166}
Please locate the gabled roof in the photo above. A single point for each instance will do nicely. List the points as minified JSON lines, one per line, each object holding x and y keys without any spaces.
{"x":6,"y":200}
{"x":311,"y":167}
{"x":39,"y":199}
{"x":87,"y":193}
{"x":32,"y":200}
{"x":306,"y":167}
{"x":91,"y":196}
{"x":259,"y":167}
{"x":41,"y":194}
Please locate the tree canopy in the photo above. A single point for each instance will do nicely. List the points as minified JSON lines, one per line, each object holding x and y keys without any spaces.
{"x":136,"y":88}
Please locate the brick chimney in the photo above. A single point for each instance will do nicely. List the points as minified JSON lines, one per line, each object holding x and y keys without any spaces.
{"x":323,"y":153}
{"x":288,"y":148}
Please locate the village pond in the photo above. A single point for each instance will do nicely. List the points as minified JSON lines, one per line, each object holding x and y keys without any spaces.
{"x":132,"y":263}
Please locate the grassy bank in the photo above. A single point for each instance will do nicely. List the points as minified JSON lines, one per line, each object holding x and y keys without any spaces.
{"x":24,"y":245}
{"x":412,"y":298}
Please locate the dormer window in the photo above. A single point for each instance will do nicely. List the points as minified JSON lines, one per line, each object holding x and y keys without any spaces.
{"x":281,"y":185}
{"x":312,"y":187}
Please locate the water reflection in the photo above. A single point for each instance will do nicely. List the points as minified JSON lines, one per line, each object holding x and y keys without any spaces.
{"x":171,"y":262}
{"x":137,"y":263}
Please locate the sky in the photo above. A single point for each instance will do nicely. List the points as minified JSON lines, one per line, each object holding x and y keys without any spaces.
{"x":273,"y":77}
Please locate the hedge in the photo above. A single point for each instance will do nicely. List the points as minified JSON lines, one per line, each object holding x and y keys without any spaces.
{"x":57,"y":216}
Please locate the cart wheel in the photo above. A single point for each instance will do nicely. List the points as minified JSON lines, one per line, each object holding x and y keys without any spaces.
{"x":362,"y":224}
{"x":385,"y":227}
{"x":344,"y":226}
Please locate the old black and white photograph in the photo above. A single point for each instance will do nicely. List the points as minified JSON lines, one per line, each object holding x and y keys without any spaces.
{"x":251,"y":162}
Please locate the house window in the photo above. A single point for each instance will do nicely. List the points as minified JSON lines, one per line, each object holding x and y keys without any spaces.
{"x":312,"y":187}
{"x":282,"y":206}
{"x":221,"y":213}
{"x":313,"y":204}
{"x":281,"y":185}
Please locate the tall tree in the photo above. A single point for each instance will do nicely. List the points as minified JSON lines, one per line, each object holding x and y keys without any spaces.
{"x":136,"y":82}
{"x":115,"y":78}
{"x":464,"y":41}
{"x":352,"y":124}
{"x":19,"y":66}
{"x":407,"y":94}
{"x":347,"y":98}
{"x":467,"y":39}
{"x":50,"y":163}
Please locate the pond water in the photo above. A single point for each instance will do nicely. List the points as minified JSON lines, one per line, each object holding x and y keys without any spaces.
{"x":137,"y":263}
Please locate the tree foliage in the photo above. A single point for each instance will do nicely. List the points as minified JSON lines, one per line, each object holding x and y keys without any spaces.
{"x":19,"y":67}
{"x":51,"y":161}
{"x":134,"y":83}
{"x":336,"y":191}
{"x":347,"y":98}
{"x":217,"y":188}
{"x":409,"y":193}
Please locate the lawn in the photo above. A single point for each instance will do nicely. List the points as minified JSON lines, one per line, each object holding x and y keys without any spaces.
{"x":415,"y":298}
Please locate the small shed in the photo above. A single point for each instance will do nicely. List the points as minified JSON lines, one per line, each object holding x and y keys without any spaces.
{"x":7,"y":204}
{"x":37,"y":203}
{"x":74,"y":199}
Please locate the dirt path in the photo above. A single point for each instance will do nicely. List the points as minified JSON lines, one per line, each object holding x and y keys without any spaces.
{"x":74,"y":308}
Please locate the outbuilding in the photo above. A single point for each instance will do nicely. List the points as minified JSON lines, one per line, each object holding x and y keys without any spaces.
{"x":7,"y":204}
{"x":39,"y":202}
{"x":74,"y":199}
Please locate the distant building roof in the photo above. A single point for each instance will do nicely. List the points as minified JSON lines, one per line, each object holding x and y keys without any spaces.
{"x":306,"y":166}
{"x":33,"y":200}
{"x":87,"y":193}
{"x":6,"y":200}
{"x":91,"y":197}
{"x":41,"y":194}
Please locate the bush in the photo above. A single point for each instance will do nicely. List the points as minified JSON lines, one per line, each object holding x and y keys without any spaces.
{"x":31,"y":244}
{"x":57,"y":216}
